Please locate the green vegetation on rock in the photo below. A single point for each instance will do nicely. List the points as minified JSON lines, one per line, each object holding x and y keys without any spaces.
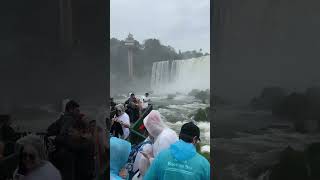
{"x":204,"y":96}
{"x":202,"y":115}
{"x":297,"y":165}
{"x":299,"y":108}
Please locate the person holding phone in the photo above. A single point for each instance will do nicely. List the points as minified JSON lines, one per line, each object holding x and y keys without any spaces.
{"x":160,"y":135}
{"x":123,"y":119}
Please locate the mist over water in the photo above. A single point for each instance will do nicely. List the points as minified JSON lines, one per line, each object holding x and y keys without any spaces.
{"x":180,"y":75}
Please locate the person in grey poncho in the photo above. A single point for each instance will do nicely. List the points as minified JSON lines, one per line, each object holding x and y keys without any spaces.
{"x":33,"y":164}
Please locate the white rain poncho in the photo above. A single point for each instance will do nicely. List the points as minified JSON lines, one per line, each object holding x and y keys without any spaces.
{"x":46,"y":170}
{"x":147,"y":148}
{"x":163,"y":137}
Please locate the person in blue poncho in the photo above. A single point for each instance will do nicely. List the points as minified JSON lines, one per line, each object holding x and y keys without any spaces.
{"x":119,"y":154}
{"x":181,"y":161}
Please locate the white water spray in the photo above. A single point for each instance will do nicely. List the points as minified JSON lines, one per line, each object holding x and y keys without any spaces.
{"x":181,"y":75}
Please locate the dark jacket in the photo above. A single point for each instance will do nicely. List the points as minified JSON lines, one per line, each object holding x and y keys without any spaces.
{"x":62,"y":125}
{"x":7,"y":134}
{"x":82,"y":150}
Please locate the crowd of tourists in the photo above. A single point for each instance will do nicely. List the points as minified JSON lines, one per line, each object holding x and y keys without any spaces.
{"x":76,"y":147}
{"x":162,"y":155}
{"x":73,"y":148}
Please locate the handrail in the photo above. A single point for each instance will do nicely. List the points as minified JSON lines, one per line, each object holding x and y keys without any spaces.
{"x":137,"y":133}
{"x":134,"y":129}
{"x":139,"y":122}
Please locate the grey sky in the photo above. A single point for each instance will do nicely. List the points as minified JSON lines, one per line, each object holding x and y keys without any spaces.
{"x":182,"y":24}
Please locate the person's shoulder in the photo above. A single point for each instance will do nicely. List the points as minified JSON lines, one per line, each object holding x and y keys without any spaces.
{"x":126,"y":116}
{"x":49,"y":165}
{"x":51,"y":169}
{"x":203,"y":160}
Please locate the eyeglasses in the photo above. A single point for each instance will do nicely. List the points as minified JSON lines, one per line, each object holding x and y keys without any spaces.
{"x":26,"y":155}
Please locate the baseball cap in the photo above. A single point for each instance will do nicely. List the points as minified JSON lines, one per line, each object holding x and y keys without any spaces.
{"x":190,"y":130}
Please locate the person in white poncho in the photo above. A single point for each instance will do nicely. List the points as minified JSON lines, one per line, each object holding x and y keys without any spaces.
{"x":162,"y":137}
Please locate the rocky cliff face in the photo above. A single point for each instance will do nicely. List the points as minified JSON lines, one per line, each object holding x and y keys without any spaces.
{"x":264,"y":43}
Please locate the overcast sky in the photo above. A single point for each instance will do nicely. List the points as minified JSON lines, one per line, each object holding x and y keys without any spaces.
{"x":182,"y":24}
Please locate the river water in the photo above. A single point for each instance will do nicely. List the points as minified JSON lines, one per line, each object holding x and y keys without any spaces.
{"x":247,"y":142}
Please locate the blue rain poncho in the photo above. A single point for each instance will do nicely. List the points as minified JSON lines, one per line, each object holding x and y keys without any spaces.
{"x":119,"y":154}
{"x":180,"y":161}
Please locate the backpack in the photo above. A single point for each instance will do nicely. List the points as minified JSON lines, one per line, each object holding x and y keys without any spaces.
{"x":132,"y":156}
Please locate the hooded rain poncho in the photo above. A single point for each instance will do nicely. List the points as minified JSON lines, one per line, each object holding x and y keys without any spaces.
{"x":119,"y":154}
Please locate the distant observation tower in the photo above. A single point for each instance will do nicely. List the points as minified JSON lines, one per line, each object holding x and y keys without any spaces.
{"x":130,"y":43}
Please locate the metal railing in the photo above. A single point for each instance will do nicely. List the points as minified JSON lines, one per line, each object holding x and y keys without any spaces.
{"x":137,"y":136}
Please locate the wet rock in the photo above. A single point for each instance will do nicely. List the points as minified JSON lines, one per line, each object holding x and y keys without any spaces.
{"x":291,"y":166}
{"x":171,"y":96}
{"x":269,"y":98}
{"x":297,"y":165}
{"x":204,"y":96}
{"x":201,"y":115}
{"x":313,"y":160}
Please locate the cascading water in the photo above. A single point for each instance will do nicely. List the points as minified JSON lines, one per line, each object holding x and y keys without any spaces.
{"x":181,"y":75}
{"x":160,"y":74}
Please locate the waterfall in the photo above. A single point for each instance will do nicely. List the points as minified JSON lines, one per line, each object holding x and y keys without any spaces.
{"x":181,"y":75}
